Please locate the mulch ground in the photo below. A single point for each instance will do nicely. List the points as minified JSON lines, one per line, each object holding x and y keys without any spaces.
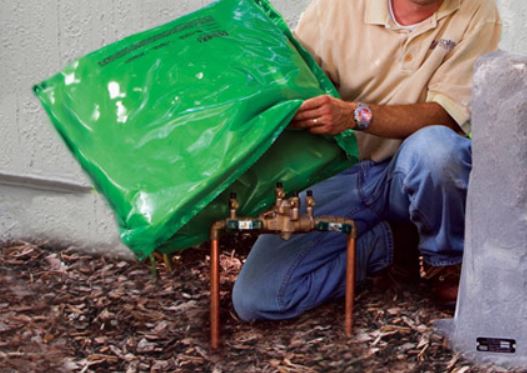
{"x":64,"y":311}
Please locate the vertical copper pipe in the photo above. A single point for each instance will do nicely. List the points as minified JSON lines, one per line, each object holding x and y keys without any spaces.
{"x":214,"y":295}
{"x":168,"y":263}
{"x":153,"y":266}
{"x":350,"y":284}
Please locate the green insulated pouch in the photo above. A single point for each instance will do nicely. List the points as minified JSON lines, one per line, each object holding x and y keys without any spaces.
{"x":169,"y":121}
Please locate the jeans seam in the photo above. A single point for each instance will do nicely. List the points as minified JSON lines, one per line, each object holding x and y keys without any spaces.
{"x":389,"y":244}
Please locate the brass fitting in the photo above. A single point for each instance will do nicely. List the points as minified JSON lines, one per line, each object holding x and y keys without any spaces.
{"x":279,"y":194}
{"x":233,"y":206}
{"x":295,"y":207}
{"x":285,"y":218}
{"x":310,"y":203}
{"x":215,"y":230}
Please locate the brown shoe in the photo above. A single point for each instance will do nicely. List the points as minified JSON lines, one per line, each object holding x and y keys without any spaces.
{"x":443,"y":281}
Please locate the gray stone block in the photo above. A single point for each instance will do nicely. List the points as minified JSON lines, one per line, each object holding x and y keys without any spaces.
{"x":492,"y":302}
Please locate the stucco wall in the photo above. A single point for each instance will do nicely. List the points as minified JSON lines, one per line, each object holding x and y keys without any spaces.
{"x":43,"y":192}
{"x":514,"y":18}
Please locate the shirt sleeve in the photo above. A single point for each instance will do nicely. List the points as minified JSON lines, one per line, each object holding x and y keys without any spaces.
{"x":451,"y":84}
{"x":313,"y":30}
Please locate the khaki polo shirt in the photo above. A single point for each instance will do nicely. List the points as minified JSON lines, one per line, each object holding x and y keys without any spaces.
{"x":371,"y":59}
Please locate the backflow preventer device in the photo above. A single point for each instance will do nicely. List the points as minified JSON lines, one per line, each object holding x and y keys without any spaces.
{"x":284,"y":219}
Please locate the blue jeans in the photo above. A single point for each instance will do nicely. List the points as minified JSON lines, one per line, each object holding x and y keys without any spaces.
{"x":424,"y":183}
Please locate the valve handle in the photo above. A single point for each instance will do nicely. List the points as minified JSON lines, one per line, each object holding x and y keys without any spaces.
{"x":233,"y":204}
{"x":280,"y":193}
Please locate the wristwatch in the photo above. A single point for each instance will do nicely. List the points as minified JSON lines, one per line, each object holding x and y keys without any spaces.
{"x":363,"y":116}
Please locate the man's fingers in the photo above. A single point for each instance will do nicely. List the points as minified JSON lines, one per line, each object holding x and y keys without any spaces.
{"x":304,"y":124}
{"x":308,"y":123}
{"x":310,"y":114}
{"x":314,"y":103}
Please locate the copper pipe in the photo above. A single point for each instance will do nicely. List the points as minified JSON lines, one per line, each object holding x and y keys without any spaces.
{"x":215,"y":283}
{"x":168,"y":263}
{"x":350,"y":283}
{"x":153,"y":267}
{"x":214,"y":295}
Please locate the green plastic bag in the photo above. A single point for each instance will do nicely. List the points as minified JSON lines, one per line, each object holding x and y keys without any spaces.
{"x":168,"y":121}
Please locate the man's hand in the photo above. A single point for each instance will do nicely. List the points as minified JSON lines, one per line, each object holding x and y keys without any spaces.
{"x":325,"y":115}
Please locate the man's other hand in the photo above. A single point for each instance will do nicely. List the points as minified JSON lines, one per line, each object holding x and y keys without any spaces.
{"x":325,"y":115}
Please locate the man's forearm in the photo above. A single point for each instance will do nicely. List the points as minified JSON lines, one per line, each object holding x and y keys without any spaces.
{"x":325,"y":115}
{"x":400,"y":121}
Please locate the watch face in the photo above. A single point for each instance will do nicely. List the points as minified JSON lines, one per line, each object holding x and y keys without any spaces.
{"x":363,"y":116}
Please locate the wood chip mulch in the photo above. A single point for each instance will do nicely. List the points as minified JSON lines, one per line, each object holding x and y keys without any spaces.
{"x":65,"y":311}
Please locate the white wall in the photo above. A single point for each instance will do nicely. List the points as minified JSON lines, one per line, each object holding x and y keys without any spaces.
{"x":43,"y":192}
{"x":514,"y":18}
